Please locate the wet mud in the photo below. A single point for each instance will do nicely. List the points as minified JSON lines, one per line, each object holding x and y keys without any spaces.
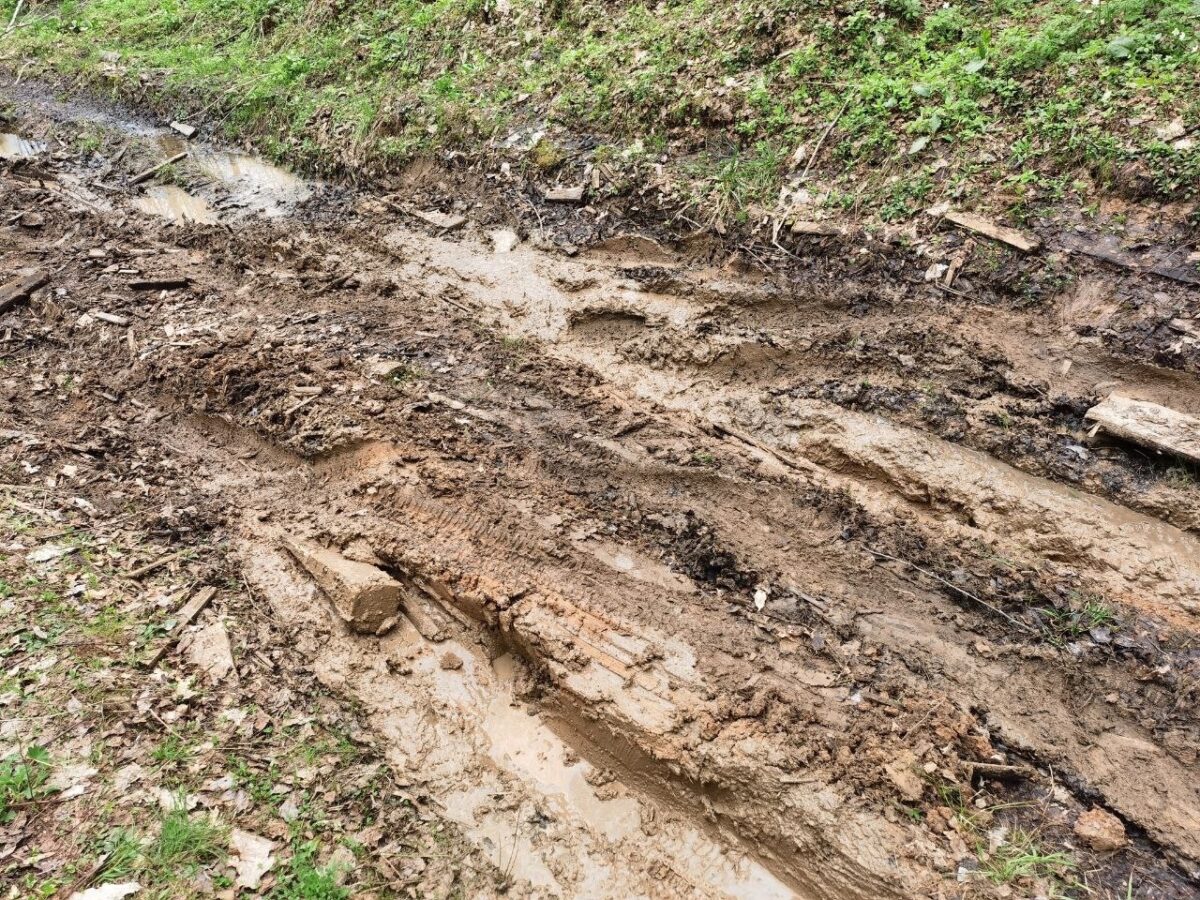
{"x":717,"y":581}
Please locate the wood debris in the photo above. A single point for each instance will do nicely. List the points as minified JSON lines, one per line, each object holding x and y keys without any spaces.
{"x":160,"y":284}
{"x":154,"y":170}
{"x":564,"y":194}
{"x":19,"y":290}
{"x":444,"y":221}
{"x":1149,"y":425}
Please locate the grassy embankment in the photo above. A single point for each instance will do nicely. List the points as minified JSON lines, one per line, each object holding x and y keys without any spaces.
{"x":1009,"y":102}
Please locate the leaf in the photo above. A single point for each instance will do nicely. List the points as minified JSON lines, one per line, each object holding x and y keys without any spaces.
{"x":975,"y":65}
{"x":108,"y":892}
{"x":918,"y":145}
{"x":1120,"y":47}
{"x":921,"y":89}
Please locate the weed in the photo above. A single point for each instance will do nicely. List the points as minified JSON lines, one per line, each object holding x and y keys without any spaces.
{"x":123,"y":850}
{"x":22,"y":778}
{"x":171,"y":751}
{"x":302,"y":879}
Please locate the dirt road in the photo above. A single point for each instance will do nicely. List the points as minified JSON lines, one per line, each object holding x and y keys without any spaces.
{"x":716,"y":578}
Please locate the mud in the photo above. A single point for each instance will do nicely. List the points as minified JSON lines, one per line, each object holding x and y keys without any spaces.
{"x":718,"y":580}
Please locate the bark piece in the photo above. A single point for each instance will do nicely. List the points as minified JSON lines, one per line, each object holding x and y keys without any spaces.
{"x":365,"y":597}
{"x":1024,"y":242}
{"x":19,"y":289}
{"x":1149,"y":425}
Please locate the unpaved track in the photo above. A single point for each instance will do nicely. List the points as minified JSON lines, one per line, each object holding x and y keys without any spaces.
{"x":684,"y":646}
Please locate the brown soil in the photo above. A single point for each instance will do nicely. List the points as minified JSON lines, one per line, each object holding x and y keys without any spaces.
{"x":761,"y":575}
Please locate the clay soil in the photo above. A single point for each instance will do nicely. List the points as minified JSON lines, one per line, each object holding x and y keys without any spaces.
{"x":759,"y":571}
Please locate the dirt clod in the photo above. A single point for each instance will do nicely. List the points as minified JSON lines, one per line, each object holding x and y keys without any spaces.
{"x":1100,"y":830}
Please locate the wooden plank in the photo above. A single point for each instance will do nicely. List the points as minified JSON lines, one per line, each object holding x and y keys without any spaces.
{"x":1026,"y":243}
{"x":1149,"y":425}
{"x":19,"y":289}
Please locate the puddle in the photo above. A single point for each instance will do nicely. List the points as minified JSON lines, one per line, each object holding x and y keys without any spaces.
{"x":175,"y":204}
{"x":254,"y":184}
{"x":13,"y":146}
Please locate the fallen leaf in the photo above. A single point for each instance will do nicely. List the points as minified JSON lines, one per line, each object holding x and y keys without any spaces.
{"x":252,"y":857}
{"x":108,"y":891}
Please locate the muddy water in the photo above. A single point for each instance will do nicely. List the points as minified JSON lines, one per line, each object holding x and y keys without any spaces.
{"x":13,"y":146}
{"x":175,"y":204}
{"x":253,"y":184}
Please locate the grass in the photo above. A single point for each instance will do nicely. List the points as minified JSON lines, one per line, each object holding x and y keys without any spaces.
{"x":1022,"y":856}
{"x":184,"y":844}
{"x":302,"y":879}
{"x":1029,"y":101}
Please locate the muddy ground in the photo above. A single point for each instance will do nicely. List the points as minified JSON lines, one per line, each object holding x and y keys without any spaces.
{"x":764,"y":571}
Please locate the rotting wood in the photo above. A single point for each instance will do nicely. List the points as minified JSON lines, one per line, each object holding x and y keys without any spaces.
{"x":1026,"y":243}
{"x":1149,"y":425}
{"x":364,"y":596}
{"x":1090,"y":247}
{"x":19,"y":290}
{"x":154,"y":170}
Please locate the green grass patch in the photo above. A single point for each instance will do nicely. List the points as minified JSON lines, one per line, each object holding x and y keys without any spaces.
{"x":1028,"y":93}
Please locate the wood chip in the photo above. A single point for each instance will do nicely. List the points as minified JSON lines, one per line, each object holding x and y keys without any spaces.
{"x":1149,"y":425}
{"x":186,"y":130}
{"x":564,"y":194}
{"x":1024,"y":242}
{"x":110,"y":318}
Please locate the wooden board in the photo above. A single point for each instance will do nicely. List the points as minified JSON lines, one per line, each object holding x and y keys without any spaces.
{"x":1149,"y":425}
{"x":1026,"y":243}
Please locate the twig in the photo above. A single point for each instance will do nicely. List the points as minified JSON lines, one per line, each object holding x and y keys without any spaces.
{"x":817,"y":150}
{"x":150,"y":567}
{"x":955,"y":587}
{"x":86,"y":878}
{"x":16,"y":12}
{"x":153,"y":170}
{"x":186,"y":616}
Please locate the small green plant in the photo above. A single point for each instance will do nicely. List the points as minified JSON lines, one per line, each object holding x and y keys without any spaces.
{"x":302,"y":879}
{"x":22,"y":779}
{"x":171,"y":751}
{"x":122,"y":850}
